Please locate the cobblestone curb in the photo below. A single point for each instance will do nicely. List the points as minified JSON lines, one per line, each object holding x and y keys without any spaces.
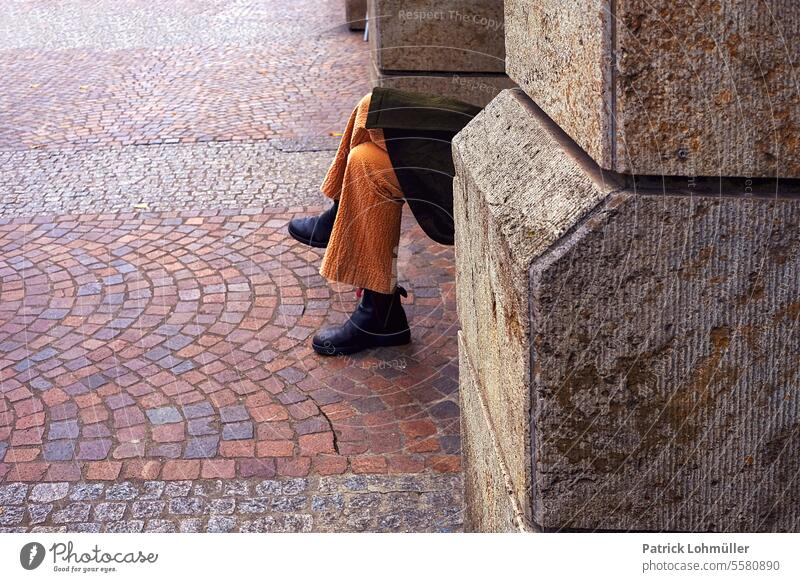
{"x":164,"y":177}
{"x":344,"y":503}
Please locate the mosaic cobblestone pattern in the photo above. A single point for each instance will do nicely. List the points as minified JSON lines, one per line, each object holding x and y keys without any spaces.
{"x":185,"y":71}
{"x":355,"y":503}
{"x":176,"y":345}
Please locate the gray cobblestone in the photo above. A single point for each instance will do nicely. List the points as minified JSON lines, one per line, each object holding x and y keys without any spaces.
{"x":294,"y":486}
{"x":89,"y":527}
{"x":191,"y":525}
{"x":148,"y":508}
{"x":327,"y":502}
{"x":269,"y":487}
{"x":178,"y":488}
{"x":152,"y":489}
{"x":132,"y":526}
{"x":401,"y":483}
{"x":13,"y":494}
{"x":390,"y":523}
{"x":111,"y":511}
{"x":122,"y":491}
{"x":260,"y":525}
{"x":72,"y":513}
{"x":298,"y":523}
{"x":253,"y":505}
{"x":86,"y":491}
{"x":158,"y":178}
{"x":356,"y":483}
{"x":221,"y":524}
{"x":187,"y":506}
{"x":340,"y":503}
{"x":11,"y":514}
{"x":222,"y":506}
{"x":160,"y":526}
{"x":366,"y":500}
{"x":45,"y":492}
{"x":208,"y":488}
{"x":289,"y":503}
{"x":38,"y":513}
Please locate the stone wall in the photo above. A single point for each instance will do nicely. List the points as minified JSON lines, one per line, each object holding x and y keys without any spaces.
{"x":658,"y":87}
{"x":454,"y":48}
{"x":627,"y":346}
{"x":356,"y":11}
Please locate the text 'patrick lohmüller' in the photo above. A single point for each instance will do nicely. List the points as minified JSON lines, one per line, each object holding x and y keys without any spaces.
{"x":726,"y":548}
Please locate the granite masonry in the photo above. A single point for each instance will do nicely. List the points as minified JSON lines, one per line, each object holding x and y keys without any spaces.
{"x":453,"y":48}
{"x":629,"y":340}
{"x":694,"y":88}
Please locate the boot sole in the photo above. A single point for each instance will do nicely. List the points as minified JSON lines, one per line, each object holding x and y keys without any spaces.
{"x":305,"y":241}
{"x":389,"y":341}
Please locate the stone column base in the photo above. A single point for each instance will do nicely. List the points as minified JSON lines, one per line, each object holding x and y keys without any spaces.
{"x":356,"y":12}
{"x":629,"y":352}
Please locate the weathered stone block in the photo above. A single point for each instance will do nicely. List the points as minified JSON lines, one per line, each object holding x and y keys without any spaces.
{"x":494,"y":250}
{"x":355,"y":12}
{"x":491,"y":504}
{"x":475,"y":89}
{"x":636,"y":346}
{"x":693,"y":88}
{"x":442,"y":35}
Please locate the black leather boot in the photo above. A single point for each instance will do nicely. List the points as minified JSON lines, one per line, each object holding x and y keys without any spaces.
{"x":378,"y":321}
{"x":314,"y":231}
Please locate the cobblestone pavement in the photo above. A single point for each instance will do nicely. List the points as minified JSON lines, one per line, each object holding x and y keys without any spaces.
{"x":122,"y":72}
{"x":174,"y":346}
{"x":155,"y":372}
{"x":166,"y":177}
{"x":414,"y":503}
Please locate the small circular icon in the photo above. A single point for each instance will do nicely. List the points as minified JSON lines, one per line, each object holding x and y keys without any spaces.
{"x":31,"y":555}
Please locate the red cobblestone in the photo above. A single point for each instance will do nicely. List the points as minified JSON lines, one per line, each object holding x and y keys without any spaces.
{"x":142,"y":377}
{"x":316,"y":444}
{"x":103,"y":470}
{"x":256,"y":468}
{"x":218,"y":469}
{"x":445,"y":463}
{"x":405,"y":464}
{"x":275,"y":448}
{"x":26,"y":471}
{"x":369,"y":465}
{"x":141,"y":469}
{"x":293,"y":467}
{"x":329,"y":464}
{"x":63,"y":472}
{"x":180,"y":470}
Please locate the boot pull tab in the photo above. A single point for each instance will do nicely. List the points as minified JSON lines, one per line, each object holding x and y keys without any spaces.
{"x":359,"y":293}
{"x":402,"y":291}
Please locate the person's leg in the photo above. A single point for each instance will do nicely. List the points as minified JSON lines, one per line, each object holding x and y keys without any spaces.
{"x":315,"y":231}
{"x":332,"y":185}
{"x":363,"y":245}
{"x":363,"y":252}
